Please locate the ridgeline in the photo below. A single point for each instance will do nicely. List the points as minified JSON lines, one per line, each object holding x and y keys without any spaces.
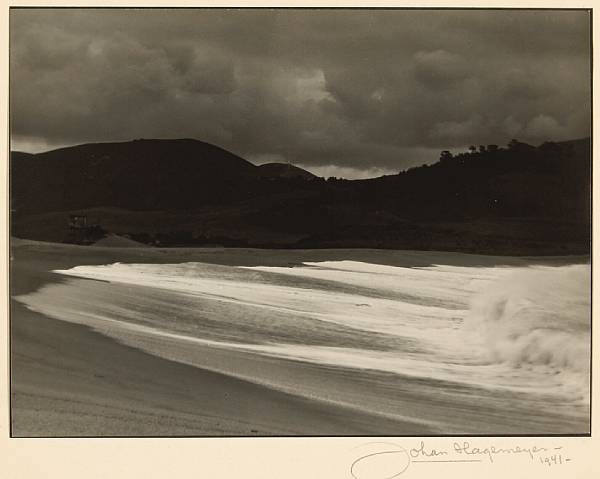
{"x":517,"y":200}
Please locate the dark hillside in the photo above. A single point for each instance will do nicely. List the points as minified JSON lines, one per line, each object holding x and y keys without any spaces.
{"x":515,"y":200}
{"x":283,"y":170}
{"x":137,"y":175}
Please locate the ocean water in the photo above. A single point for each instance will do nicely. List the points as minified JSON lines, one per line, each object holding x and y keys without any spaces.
{"x":514,"y":342}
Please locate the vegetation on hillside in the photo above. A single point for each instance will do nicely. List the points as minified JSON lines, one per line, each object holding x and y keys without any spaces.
{"x":517,"y":199}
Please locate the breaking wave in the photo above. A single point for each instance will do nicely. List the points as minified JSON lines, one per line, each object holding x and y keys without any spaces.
{"x":519,"y":330}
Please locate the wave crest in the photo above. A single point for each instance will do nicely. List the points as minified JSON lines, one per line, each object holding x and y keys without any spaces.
{"x":538,"y":317}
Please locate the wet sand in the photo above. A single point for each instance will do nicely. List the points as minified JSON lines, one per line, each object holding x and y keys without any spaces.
{"x":67,"y":380}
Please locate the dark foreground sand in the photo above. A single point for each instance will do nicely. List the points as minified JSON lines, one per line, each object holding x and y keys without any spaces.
{"x":67,"y":380}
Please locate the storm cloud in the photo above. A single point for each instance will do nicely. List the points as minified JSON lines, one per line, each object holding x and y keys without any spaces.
{"x":361,"y":92}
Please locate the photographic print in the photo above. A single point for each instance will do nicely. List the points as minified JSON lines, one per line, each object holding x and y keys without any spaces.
{"x":235,"y":222}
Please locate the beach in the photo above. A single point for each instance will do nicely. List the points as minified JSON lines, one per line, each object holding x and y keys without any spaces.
{"x":80,"y":369}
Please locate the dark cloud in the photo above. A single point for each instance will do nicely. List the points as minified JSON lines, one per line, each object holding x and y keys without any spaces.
{"x":350,"y":91}
{"x":440,"y":69}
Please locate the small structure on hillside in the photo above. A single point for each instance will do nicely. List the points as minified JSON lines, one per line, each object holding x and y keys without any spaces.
{"x":77,"y":222}
{"x":81,"y":232}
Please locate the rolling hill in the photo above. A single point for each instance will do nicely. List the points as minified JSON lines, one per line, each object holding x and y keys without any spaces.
{"x":515,"y":200}
{"x":284,"y":170}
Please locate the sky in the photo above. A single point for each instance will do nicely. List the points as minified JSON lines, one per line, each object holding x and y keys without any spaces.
{"x":349,"y":93}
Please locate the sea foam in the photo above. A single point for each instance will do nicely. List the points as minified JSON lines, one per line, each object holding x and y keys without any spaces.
{"x":515,"y":329}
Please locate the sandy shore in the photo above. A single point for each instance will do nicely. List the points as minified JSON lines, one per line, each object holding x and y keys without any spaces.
{"x":67,"y":380}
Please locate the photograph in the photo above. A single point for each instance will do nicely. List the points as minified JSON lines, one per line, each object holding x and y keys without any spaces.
{"x":300,"y":222}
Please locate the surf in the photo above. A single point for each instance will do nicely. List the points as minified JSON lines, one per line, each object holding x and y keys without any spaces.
{"x":487,"y":332}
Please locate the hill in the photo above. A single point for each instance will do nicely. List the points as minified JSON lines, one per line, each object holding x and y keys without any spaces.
{"x":138,"y":175}
{"x":515,"y":200}
{"x":284,"y":170}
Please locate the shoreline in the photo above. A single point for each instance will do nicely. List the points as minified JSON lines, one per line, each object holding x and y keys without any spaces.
{"x":68,"y":380}
{"x":112,"y":376}
{"x":98,"y":387}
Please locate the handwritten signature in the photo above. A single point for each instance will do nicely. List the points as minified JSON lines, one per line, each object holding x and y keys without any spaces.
{"x":387,"y":460}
